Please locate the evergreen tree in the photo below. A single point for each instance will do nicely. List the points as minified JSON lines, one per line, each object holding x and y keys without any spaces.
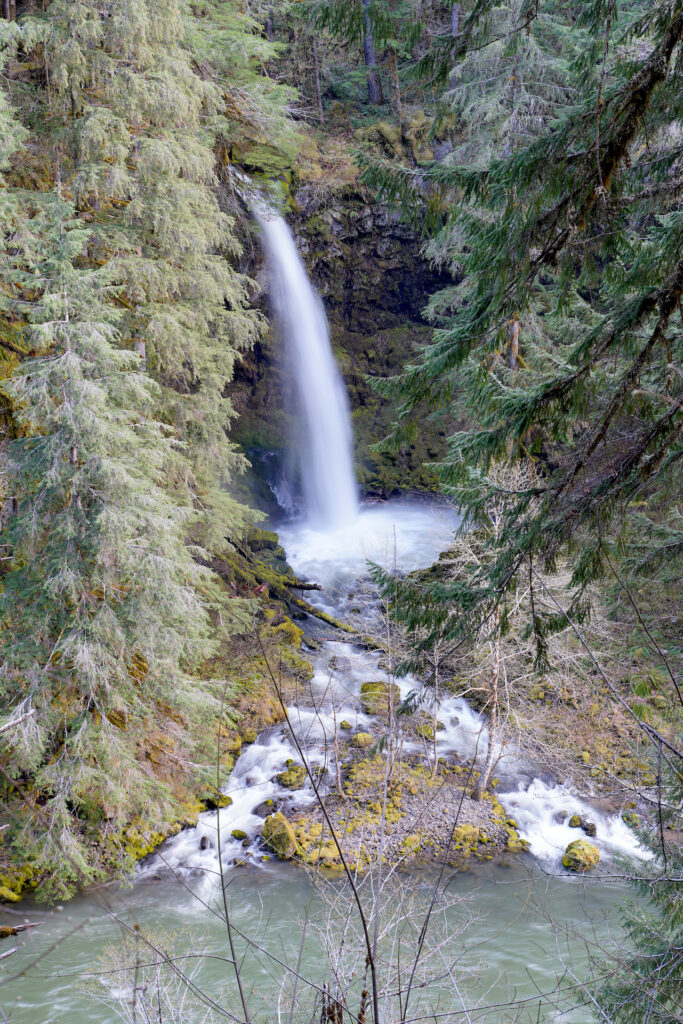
{"x":505,"y":94}
{"x":141,"y":126}
{"x":118,"y":290}
{"x":371,"y":27}
{"x":100,"y":614}
{"x":640,"y":980}
{"x":577,"y":256}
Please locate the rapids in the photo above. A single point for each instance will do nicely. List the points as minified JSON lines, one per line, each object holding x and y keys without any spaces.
{"x":509,"y":925}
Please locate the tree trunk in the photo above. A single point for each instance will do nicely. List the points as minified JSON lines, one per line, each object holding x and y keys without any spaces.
{"x":141,"y":349}
{"x":397,"y":86}
{"x":514,"y":81}
{"x":455,"y":30}
{"x":318,"y":94}
{"x":455,"y":20}
{"x":375,"y":95}
{"x":514,"y":343}
{"x":483,"y":780}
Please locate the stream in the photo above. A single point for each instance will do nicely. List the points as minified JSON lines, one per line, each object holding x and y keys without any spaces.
{"x":512,"y":927}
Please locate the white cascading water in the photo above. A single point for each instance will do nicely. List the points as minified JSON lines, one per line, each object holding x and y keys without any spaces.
{"x":331,"y":545}
{"x":326,"y":444}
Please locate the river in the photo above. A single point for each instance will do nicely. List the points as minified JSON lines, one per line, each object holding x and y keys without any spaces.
{"x":507,"y":928}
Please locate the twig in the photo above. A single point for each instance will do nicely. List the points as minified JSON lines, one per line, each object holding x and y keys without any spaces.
{"x":17,"y":721}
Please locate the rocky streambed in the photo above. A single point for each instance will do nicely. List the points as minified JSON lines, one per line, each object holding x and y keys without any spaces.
{"x":402,"y":788}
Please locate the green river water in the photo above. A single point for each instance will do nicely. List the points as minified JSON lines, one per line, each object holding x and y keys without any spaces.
{"x":508,"y":933}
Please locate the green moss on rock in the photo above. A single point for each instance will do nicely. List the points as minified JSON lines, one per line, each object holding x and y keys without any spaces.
{"x":376,"y":697}
{"x":581,"y":856}
{"x":293,"y":778}
{"x":278,"y":835}
{"x":362,"y":739}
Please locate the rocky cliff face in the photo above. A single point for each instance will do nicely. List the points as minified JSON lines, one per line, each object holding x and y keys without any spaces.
{"x":374,"y":283}
{"x":363,"y":260}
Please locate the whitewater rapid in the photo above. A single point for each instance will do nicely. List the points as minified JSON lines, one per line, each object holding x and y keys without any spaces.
{"x":405,"y":534}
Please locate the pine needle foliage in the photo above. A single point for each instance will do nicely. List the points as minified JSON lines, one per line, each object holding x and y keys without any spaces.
{"x":569,"y":246}
{"x":139,"y":126}
{"x":641,"y":979}
{"x":120,"y":292}
{"x":100,"y":616}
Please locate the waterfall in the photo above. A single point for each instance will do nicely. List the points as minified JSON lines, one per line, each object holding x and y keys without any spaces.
{"x":325,"y":448}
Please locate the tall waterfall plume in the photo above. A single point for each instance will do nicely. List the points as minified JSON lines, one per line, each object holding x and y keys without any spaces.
{"x":326,"y":443}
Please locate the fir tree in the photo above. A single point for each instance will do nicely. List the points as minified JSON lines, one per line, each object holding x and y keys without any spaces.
{"x":574,"y":265}
{"x":99,"y":609}
{"x":640,"y":979}
{"x":141,"y":164}
{"x":120,"y":288}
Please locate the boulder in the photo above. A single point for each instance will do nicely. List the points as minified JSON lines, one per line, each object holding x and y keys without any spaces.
{"x":581,"y":856}
{"x":238,"y":833}
{"x":224,"y":800}
{"x":293,"y":778}
{"x":249,"y":736}
{"x":278,"y":835}
{"x":362,"y":739}
{"x":376,"y":697}
{"x":344,"y":724}
{"x":576,"y":821}
{"x":425,"y":731}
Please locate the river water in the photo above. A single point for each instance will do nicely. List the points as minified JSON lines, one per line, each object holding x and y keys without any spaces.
{"x":509,"y":929}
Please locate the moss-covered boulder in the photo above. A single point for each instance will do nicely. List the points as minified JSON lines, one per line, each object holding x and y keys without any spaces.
{"x":249,"y":736}
{"x":465,"y":836}
{"x":378,"y":696}
{"x":362,"y":739}
{"x":211,"y":801}
{"x":293,"y":778}
{"x":344,"y":724}
{"x":425,"y":730}
{"x":238,"y":833}
{"x":278,"y":835}
{"x":576,"y":821}
{"x":581,"y":856}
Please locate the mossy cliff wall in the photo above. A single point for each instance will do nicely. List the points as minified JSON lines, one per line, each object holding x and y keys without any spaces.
{"x":374,"y":283}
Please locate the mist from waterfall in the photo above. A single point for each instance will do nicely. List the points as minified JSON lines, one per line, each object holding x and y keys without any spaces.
{"x":325,"y":448}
